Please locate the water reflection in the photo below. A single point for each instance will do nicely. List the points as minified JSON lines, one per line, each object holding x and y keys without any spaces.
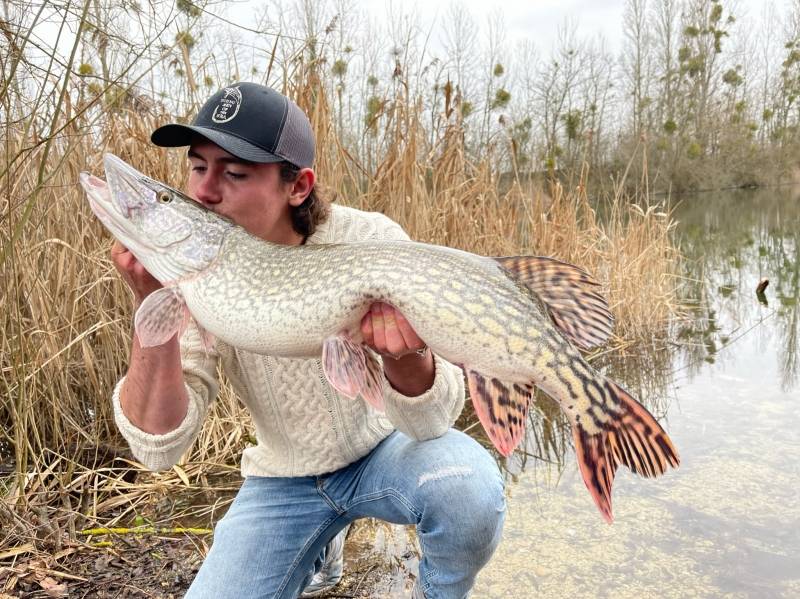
{"x":733,"y":241}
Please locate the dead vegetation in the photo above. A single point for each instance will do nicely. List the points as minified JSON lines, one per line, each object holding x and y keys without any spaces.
{"x":66,"y":316}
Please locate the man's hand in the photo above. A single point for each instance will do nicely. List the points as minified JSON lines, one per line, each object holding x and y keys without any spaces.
{"x":387,"y":332}
{"x":141,"y":282}
{"x":153,"y":396}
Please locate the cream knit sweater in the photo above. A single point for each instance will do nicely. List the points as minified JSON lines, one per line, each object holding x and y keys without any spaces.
{"x":303,"y":426}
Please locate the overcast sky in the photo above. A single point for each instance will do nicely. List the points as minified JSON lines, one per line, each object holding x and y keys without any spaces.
{"x":536,"y":20}
{"x":539,"y":20}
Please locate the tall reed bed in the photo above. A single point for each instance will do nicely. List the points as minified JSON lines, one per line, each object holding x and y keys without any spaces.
{"x":66,"y":316}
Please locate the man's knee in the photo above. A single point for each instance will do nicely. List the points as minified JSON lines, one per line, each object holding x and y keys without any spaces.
{"x":465,"y":502}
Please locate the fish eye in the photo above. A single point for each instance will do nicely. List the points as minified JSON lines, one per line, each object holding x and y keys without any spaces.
{"x":164,"y":197}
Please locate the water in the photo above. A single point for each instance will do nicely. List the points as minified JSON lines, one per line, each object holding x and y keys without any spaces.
{"x":727,"y":522}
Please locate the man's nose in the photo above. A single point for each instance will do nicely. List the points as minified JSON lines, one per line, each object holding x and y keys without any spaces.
{"x":207,"y":191}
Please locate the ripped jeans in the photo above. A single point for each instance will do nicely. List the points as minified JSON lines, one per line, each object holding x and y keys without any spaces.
{"x":276,"y":529}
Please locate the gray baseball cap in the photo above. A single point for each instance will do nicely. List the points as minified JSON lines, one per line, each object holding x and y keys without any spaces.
{"x":252,"y":122}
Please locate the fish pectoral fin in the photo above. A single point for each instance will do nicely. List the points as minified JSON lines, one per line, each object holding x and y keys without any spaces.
{"x":344,"y":365}
{"x":632,"y":436}
{"x":577,"y":310}
{"x":162,"y":315}
{"x":502,"y":409}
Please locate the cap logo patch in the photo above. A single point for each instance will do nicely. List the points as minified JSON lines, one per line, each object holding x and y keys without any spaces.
{"x":228,"y":106}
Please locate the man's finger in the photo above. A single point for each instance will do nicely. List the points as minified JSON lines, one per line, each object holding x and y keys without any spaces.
{"x":395,"y":344}
{"x":378,"y":331}
{"x":412,"y":340}
{"x":366,"y":328}
{"x":117,"y":249}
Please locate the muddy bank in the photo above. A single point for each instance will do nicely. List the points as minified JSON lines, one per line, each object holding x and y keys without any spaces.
{"x":381,"y":560}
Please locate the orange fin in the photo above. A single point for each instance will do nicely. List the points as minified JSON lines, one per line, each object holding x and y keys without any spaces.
{"x":502,"y":409}
{"x":353,"y":369}
{"x":631,"y":437}
{"x":579,"y":312}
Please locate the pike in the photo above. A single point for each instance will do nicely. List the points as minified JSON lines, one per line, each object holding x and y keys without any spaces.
{"x":512,"y":323}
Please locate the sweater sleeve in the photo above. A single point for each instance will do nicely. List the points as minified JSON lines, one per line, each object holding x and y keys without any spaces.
{"x":431,"y":414}
{"x":159,"y":452}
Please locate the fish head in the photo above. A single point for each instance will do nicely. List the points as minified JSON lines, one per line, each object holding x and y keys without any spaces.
{"x":169,"y":233}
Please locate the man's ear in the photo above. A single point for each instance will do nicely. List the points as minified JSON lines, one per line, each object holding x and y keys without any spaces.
{"x":302,"y":186}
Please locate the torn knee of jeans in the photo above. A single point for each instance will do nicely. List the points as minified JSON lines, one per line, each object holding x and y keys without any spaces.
{"x":443,"y":473}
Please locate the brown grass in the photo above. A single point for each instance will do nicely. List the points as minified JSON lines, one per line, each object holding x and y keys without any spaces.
{"x":66,"y":316}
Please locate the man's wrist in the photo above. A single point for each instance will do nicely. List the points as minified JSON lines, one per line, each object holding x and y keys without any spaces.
{"x":411,"y":374}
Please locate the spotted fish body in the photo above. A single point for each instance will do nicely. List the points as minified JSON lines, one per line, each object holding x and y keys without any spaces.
{"x":298,"y":296}
{"x":512,"y":323}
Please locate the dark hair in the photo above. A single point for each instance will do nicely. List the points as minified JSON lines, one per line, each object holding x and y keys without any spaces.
{"x":312,"y":212}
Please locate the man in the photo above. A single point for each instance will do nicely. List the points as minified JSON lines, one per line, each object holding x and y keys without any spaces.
{"x":321,"y":460}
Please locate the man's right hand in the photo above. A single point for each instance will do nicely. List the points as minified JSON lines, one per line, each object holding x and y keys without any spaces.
{"x":153,"y":397}
{"x":141,"y":282}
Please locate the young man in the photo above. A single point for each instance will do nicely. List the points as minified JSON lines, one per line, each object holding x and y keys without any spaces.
{"x":321,"y":460}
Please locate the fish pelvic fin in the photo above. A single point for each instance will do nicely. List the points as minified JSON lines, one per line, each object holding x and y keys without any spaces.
{"x":372,"y":390}
{"x":569,"y":294}
{"x":633,"y":438}
{"x":352,"y":369}
{"x":502,"y":409}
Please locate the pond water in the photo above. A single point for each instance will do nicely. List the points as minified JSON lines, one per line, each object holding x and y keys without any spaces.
{"x":727,"y":522}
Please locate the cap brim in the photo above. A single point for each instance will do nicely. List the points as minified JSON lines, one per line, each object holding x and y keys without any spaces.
{"x":175,"y":135}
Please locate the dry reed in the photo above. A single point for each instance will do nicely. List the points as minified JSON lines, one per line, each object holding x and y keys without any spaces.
{"x":66,"y":316}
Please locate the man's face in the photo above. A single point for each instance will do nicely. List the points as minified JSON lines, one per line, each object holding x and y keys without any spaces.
{"x":251,"y":194}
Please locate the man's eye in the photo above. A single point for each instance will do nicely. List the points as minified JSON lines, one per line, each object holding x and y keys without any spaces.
{"x":237,"y":176}
{"x":199,"y":169}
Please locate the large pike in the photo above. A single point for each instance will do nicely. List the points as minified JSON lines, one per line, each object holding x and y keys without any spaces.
{"x":512,"y":323}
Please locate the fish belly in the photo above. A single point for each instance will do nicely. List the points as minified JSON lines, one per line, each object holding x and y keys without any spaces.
{"x":281,"y":324}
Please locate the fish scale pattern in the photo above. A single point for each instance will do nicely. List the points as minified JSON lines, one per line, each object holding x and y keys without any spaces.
{"x":303,"y":426}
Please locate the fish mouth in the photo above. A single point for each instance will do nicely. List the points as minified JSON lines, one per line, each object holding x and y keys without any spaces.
{"x":130,"y":189}
{"x":107,"y":210}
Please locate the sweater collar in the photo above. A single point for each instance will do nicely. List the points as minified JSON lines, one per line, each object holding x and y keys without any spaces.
{"x":324,"y":231}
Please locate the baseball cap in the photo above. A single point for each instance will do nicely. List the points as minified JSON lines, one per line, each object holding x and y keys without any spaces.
{"x":251,"y":121}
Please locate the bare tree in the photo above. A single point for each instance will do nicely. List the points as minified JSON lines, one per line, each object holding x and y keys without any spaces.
{"x":554,"y":94}
{"x":461,"y":48}
{"x":597,"y":100}
{"x":664,"y":18}
{"x":636,"y":61}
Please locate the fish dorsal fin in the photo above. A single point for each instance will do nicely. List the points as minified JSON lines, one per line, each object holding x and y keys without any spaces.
{"x":352,"y":369}
{"x":502,"y":409}
{"x":579,"y":311}
{"x":162,"y":314}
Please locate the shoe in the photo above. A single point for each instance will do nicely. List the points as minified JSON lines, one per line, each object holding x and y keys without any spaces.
{"x":332,"y":568}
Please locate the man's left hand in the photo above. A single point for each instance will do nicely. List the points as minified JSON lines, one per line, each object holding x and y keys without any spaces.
{"x":388,"y":332}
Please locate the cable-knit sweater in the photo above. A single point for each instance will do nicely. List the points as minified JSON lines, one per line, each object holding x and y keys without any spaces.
{"x":303,"y":426}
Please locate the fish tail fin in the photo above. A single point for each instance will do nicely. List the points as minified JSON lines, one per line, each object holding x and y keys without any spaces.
{"x":632,"y":437}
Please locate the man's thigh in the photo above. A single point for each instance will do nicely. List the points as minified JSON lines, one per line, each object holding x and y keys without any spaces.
{"x":266,"y":544}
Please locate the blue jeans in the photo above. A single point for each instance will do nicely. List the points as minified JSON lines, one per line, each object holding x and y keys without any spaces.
{"x":277,"y":528}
